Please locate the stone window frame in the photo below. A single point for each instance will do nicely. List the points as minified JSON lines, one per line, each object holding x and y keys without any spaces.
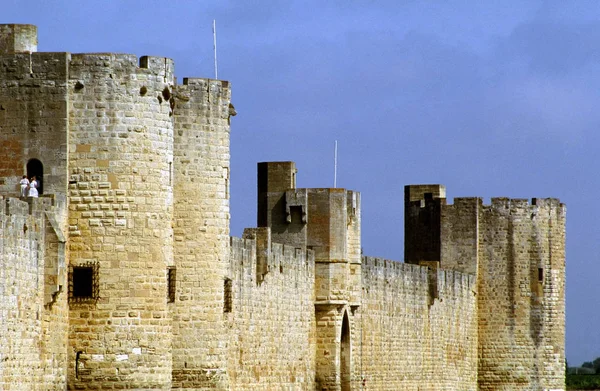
{"x":94,"y":266}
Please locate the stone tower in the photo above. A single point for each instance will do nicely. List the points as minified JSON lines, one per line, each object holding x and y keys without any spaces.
{"x":326,"y":221}
{"x":517,"y":251}
{"x":134,"y":173}
{"x":201,"y":232}
{"x":120,"y":212}
{"x":33,"y":252}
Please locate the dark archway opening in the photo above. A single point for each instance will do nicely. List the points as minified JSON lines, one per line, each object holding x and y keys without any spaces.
{"x":35,"y":167}
{"x":345,"y":354}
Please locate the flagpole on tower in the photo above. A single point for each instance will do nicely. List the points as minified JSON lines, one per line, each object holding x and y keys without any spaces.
{"x":215,"y":46}
{"x":335,"y":165}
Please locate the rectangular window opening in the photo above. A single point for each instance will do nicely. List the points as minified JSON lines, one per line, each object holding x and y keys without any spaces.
{"x":226,"y":176}
{"x":228,"y":302}
{"x":83,"y":282}
{"x":296,"y":214}
{"x":541,"y":274}
{"x":171,"y":279}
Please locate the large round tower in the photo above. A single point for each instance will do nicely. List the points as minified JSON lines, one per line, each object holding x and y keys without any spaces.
{"x":120,"y":210}
{"x":201,"y":234}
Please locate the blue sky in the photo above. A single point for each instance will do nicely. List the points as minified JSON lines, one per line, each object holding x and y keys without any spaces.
{"x":489,"y":98}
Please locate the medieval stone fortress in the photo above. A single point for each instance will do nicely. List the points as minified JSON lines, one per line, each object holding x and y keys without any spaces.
{"x":122,"y":274}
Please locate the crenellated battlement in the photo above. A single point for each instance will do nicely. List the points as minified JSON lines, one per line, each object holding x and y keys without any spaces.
{"x":121,"y":66}
{"x":33,"y":69}
{"x":394,"y":272}
{"x":199,"y":93}
{"x":505,"y":202}
{"x":389,"y":271}
{"x":253,"y":253}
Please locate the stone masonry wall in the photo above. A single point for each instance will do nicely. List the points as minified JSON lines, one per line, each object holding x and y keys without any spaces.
{"x":417,"y":328}
{"x":201,"y":232}
{"x":354,"y":247}
{"x":32,"y":353}
{"x":460,"y":235}
{"x":33,"y":119}
{"x":55,"y":326}
{"x":120,"y":214}
{"x":521,"y":295}
{"x":272,"y":323}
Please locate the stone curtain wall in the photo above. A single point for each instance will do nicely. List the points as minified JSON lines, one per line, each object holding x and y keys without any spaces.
{"x":453,"y":331}
{"x":416,"y":329}
{"x":272,"y":324}
{"x":31,"y":357}
{"x":201,"y":232}
{"x":120,"y":215}
{"x":521,"y":295}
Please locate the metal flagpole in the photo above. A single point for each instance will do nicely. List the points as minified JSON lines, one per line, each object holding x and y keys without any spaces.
{"x":335,"y":165}
{"x":215,"y":46}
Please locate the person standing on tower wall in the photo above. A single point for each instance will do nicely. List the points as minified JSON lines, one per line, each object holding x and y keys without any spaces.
{"x":24,"y":185}
{"x":33,"y":188}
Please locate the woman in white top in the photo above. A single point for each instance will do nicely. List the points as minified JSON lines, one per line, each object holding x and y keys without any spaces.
{"x":33,"y":187}
{"x":24,"y":185}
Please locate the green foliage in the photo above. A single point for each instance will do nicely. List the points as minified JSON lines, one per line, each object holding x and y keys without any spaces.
{"x":587,"y":364}
{"x":580,"y":371}
{"x":596,"y":364}
{"x":583,"y":382}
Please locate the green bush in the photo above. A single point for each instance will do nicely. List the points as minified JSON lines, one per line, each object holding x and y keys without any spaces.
{"x":583,"y":382}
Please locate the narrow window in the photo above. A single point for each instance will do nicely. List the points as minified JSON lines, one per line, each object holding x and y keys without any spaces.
{"x":540,"y":274}
{"x":228,"y":302}
{"x":171,"y":278}
{"x":77,"y":356}
{"x":226,"y":176}
{"x":83,"y":283}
